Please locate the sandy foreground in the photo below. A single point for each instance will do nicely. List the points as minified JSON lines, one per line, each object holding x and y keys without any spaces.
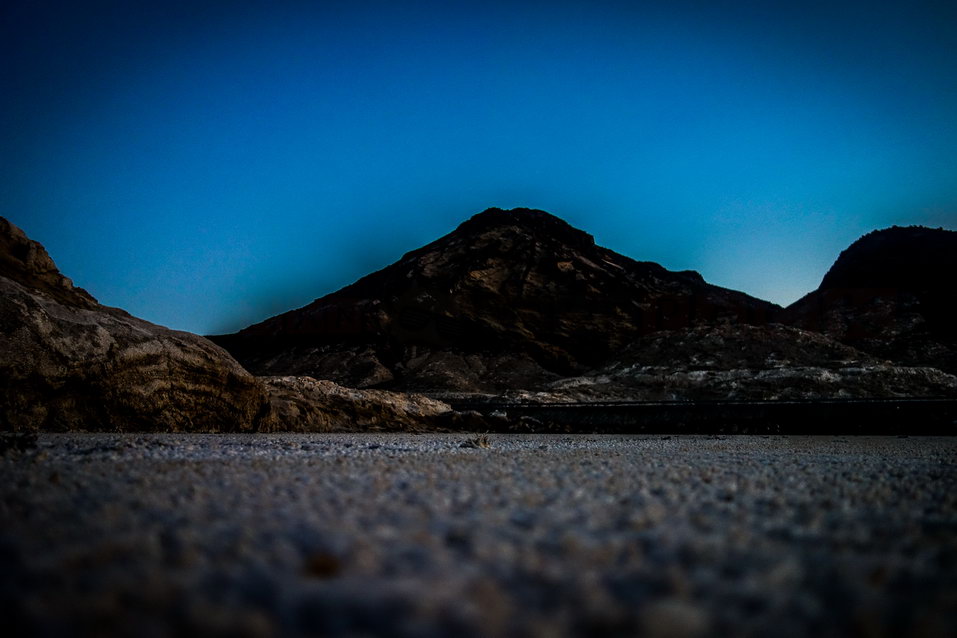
{"x":415,"y":535}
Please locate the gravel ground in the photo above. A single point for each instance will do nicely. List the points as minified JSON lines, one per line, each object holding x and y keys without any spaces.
{"x":537,"y":535}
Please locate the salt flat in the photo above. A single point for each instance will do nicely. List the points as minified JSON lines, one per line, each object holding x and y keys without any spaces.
{"x":415,"y":535}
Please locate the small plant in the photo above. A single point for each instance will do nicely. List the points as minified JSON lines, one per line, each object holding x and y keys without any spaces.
{"x":480,"y":441}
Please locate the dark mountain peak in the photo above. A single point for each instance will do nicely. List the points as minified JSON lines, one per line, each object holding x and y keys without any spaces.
{"x":508,"y":297}
{"x":902,"y":257}
{"x":538,"y":223}
{"x":891,"y":293}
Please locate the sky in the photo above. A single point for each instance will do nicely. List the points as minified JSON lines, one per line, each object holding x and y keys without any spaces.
{"x":205,"y":165}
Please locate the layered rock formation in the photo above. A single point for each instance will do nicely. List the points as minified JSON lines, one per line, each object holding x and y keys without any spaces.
{"x":304,"y":404}
{"x":69,"y":363}
{"x":510,"y":299}
{"x":892,"y":293}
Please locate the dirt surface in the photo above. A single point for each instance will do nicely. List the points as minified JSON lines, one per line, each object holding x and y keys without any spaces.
{"x":430,"y":535}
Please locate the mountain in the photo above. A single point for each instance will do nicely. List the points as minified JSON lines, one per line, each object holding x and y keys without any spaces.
{"x":892,"y":293}
{"x":509,"y":299}
{"x":516,"y":303}
{"x":69,"y":363}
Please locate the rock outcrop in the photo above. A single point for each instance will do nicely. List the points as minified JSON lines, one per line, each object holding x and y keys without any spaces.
{"x":69,"y":363}
{"x":892,"y":293}
{"x":510,"y":299}
{"x":27,"y":262}
{"x":304,"y":404}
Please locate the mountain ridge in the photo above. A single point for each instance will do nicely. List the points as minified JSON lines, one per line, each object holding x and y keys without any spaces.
{"x":892,"y":293}
{"x":517,"y":301}
{"x":486,"y":220}
{"x":520,"y":289}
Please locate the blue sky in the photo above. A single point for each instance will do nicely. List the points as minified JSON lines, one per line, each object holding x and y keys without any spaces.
{"x":207,"y":166}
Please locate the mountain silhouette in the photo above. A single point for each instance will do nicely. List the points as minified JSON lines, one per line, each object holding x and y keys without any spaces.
{"x":510,"y":298}
{"x":892,"y":293}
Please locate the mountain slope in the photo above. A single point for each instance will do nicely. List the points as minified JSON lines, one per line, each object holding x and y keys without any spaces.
{"x":510,"y":299}
{"x":892,"y":293}
{"x":744,"y":363}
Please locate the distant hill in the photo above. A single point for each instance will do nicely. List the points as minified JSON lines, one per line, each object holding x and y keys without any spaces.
{"x":745,"y":363}
{"x":892,"y":293}
{"x":509,"y":299}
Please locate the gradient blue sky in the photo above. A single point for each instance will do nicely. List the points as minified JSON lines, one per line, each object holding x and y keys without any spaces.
{"x":205,"y":165}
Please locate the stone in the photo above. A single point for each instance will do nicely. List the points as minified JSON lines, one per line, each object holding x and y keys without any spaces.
{"x":69,"y":363}
{"x":304,"y":404}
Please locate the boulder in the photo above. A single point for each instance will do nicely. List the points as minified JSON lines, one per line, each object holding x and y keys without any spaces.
{"x":304,"y":404}
{"x":69,"y":363}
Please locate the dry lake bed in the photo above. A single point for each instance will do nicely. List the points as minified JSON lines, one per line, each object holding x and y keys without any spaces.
{"x":536,"y":535}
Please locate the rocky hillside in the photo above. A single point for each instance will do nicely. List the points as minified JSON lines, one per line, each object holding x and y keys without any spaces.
{"x":304,"y":404}
{"x":510,"y":299}
{"x":744,"y":363}
{"x":512,"y":302}
{"x":69,"y":363}
{"x":892,"y":293}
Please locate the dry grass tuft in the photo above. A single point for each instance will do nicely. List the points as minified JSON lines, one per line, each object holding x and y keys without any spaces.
{"x":481,"y":441}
